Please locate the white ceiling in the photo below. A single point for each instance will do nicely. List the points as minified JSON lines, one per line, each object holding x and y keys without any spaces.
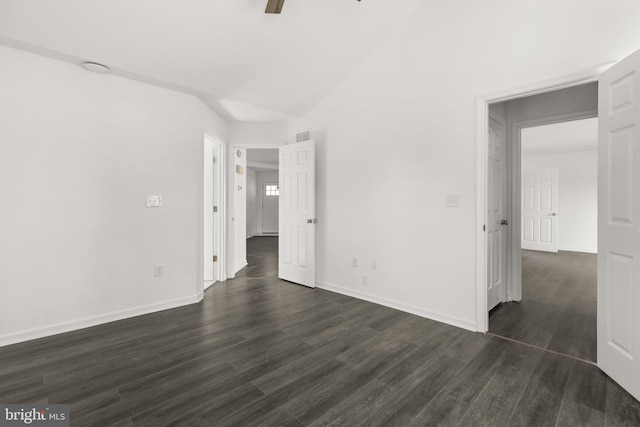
{"x":245,"y":64}
{"x":565,"y":137}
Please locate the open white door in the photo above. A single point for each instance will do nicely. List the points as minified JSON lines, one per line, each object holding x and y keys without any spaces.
{"x":619,"y":223}
{"x":208,"y":228}
{"x":539,"y":194}
{"x":297,"y":233}
{"x":213,"y":212}
{"x":496,"y":213}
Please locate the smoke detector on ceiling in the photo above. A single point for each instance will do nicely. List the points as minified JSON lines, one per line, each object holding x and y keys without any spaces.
{"x":95,"y":67}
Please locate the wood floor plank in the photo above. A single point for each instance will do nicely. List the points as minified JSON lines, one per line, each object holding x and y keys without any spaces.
{"x":173,"y":396}
{"x":215,"y":408}
{"x":575,"y":414}
{"x":452,"y":402}
{"x":497,"y":401}
{"x":540,"y":402}
{"x":83,"y":407}
{"x":399,"y":375}
{"x":587,"y":385}
{"x":356,"y":407}
{"x":621,"y":408}
{"x":305,"y":385}
{"x":371,"y":350}
{"x":411,"y":400}
{"x":558,"y":307}
{"x":280,"y":419}
{"x":277,"y":378}
{"x":468,"y":383}
{"x":444,"y":410}
{"x":26,"y":389}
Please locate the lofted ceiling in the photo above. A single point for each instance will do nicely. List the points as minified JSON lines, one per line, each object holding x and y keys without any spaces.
{"x":565,"y":137}
{"x":243,"y":63}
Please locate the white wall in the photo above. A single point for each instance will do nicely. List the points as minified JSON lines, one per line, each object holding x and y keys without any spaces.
{"x":252,"y":202}
{"x":258,"y":132}
{"x":79,"y":152}
{"x":577,"y":197}
{"x":400,"y":132}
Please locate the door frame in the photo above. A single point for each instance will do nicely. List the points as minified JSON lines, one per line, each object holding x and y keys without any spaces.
{"x":219,"y":242}
{"x":515,"y":288}
{"x":514,"y":267}
{"x":233,"y":240}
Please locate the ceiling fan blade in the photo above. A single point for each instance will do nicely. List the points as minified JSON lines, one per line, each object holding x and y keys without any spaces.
{"x":274,"y":6}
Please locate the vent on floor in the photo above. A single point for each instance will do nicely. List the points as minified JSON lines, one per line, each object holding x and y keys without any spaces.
{"x":304,"y":135}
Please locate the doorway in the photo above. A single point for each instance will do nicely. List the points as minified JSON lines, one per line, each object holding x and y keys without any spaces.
{"x":558,"y":241}
{"x":262,"y":192}
{"x":262,"y":199}
{"x":296,"y":210}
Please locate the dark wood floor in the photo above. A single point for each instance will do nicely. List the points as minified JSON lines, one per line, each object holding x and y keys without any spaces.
{"x":558,"y":308}
{"x":260,"y":351}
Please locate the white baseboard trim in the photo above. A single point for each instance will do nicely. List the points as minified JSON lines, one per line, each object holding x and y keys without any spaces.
{"x":243,"y":265}
{"x":408,"y":308}
{"x":73,"y":325}
{"x":574,"y":249}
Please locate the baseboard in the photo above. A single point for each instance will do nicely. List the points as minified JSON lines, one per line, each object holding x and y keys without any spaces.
{"x":243,"y":265}
{"x":408,"y":308}
{"x":73,"y":325}
{"x":574,"y":249}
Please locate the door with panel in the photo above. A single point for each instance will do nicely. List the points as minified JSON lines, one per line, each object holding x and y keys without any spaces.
{"x":296,"y":242}
{"x":496,"y":213}
{"x":539,"y":209}
{"x":619,"y":223}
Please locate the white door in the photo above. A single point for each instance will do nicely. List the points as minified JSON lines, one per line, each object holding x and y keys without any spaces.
{"x":212,"y":197}
{"x":296,"y":243}
{"x":539,"y":194}
{"x":496,"y":214}
{"x":618,"y":223}
{"x":269,"y":207}
{"x":218,"y":211}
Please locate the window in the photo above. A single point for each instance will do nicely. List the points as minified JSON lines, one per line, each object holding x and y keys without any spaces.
{"x":271,"y":190}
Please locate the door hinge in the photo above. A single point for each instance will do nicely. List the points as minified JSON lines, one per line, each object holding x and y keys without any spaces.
{"x":215,"y":258}
{"x":215,"y":209}
{"x":215,"y":159}
{"x":484,"y":227}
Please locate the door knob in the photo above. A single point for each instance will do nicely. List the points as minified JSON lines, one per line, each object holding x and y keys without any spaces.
{"x":504,"y":222}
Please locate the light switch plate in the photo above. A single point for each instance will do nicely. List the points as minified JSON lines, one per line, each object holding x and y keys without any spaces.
{"x":154,"y":201}
{"x":452,"y":200}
